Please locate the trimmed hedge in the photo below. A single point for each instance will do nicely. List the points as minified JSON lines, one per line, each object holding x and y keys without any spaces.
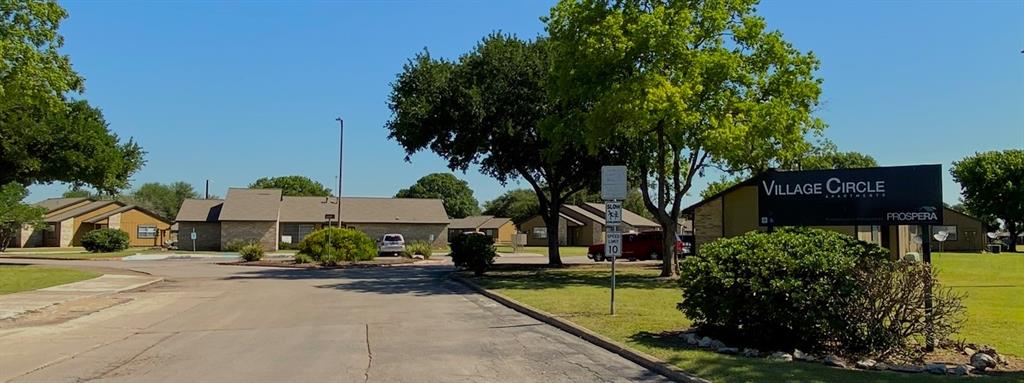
{"x":473,"y":252}
{"x":332,"y":245}
{"x":105,"y":240}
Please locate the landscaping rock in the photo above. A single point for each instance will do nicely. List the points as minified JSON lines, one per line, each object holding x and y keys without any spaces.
{"x":751,"y":352}
{"x":417,"y":256}
{"x":865,"y":364}
{"x":935,"y":368}
{"x":834,"y":361}
{"x":969,"y":351}
{"x":908,"y":368}
{"x":962,"y":369}
{"x":690,"y":338}
{"x":981,"y":361}
{"x":780,"y":356}
{"x":716,"y":344}
{"x":728,"y":350}
{"x":704,"y":342}
{"x":881,"y":366}
{"x":803,"y":357}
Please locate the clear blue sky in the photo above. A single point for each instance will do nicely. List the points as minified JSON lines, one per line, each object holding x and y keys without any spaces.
{"x":232,"y":91}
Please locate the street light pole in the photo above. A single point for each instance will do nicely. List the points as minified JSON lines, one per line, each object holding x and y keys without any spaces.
{"x":341,"y":162}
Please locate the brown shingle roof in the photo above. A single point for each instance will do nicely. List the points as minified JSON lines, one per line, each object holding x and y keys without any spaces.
{"x":79,"y":211}
{"x":472,"y":222}
{"x":200,"y":210}
{"x":51,"y":204}
{"x":364,"y":210}
{"x":495,"y":223}
{"x":251,"y":205}
{"x":124,"y":209}
{"x":628,"y":217}
{"x":579,"y":211}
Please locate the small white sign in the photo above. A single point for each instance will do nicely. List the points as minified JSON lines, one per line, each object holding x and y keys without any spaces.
{"x":286,"y":239}
{"x":613,"y":183}
{"x":193,"y":235}
{"x":613,"y":244}
{"x":613,"y":213}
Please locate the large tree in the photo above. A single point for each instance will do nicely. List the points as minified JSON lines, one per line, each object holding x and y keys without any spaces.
{"x":992,"y":183}
{"x":15,"y":214}
{"x":456,"y":195}
{"x":682,"y":85}
{"x":292,"y":186}
{"x":163,"y":199}
{"x":492,"y":107}
{"x":517,"y":204}
{"x":44,"y":135}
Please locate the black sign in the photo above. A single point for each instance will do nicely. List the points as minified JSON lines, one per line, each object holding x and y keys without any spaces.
{"x":898,"y":195}
{"x":328,"y":216}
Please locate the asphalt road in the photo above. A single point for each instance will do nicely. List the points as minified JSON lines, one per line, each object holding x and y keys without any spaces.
{"x":211,"y":323}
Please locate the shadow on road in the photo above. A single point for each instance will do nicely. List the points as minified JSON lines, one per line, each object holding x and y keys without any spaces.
{"x":415,"y":280}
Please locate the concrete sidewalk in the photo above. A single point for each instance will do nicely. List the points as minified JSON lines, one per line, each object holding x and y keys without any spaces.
{"x":14,"y":305}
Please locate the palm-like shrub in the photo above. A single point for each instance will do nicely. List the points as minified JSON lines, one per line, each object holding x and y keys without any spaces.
{"x":251,"y":252}
{"x":418,"y":247}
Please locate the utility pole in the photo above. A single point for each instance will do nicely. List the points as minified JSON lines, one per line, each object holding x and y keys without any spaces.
{"x":207,"y":189}
{"x":341,"y":162}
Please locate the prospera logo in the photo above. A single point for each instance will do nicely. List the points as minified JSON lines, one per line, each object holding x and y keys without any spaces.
{"x":832,"y":188}
{"x":926,"y":213}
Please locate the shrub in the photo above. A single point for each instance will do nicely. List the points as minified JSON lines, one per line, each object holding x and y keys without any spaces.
{"x":473,"y":252}
{"x":236,"y":245}
{"x":303,"y":258}
{"x":815,"y":290}
{"x":251,"y":252}
{"x":332,"y":245}
{"x":781,"y":290}
{"x":105,"y":240}
{"x":418,"y":247}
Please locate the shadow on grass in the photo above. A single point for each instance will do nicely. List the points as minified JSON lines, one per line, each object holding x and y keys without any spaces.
{"x":414,"y":280}
{"x":540,"y":277}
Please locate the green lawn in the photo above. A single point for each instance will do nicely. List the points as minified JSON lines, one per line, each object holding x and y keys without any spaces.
{"x":44,"y":250}
{"x":646,"y":307}
{"x":543,"y":250}
{"x":79,"y":254}
{"x":15,"y":278}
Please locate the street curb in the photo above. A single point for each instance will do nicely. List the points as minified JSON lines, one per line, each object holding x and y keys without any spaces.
{"x":139,"y":286}
{"x":651,"y":363}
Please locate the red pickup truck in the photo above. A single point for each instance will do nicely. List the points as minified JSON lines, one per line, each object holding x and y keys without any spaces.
{"x":645,"y":245}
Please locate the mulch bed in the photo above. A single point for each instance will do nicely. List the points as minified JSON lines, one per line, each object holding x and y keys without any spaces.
{"x":290,"y":263}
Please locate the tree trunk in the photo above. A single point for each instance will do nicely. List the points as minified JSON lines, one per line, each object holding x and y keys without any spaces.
{"x":551,"y":222}
{"x":1011,"y":227}
{"x":670,"y":262}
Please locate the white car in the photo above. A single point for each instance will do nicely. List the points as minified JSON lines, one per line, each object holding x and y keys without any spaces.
{"x":391,"y":244}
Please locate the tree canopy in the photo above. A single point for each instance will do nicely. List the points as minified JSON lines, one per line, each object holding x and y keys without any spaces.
{"x":44,"y":135}
{"x":15,"y":213}
{"x":163,"y":199}
{"x":455,"y":193}
{"x":992,"y":183}
{"x":517,"y":204}
{"x":492,"y":107}
{"x":293,"y":186}
{"x":681,"y":86}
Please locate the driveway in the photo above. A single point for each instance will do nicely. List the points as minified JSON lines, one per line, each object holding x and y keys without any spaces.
{"x":211,"y":323}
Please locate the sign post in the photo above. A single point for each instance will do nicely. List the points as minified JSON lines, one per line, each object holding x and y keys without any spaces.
{"x":926,"y":256}
{"x":613,"y":191}
{"x":193,"y":240}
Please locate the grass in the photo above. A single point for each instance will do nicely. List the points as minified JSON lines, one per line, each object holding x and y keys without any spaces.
{"x":44,"y":250}
{"x":16,"y":278}
{"x":73,"y":254}
{"x":646,"y":307}
{"x":543,"y":250}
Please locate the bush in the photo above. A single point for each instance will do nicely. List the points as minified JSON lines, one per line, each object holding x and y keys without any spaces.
{"x":473,"y":252}
{"x":814,"y":290}
{"x":332,"y":245}
{"x":782,"y":290}
{"x":251,"y":252}
{"x":236,"y":245}
{"x":418,"y":247}
{"x":303,"y":258}
{"x":105,"y":240}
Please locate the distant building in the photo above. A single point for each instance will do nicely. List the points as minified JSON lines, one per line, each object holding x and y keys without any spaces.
{"x":69,"y":219}
{"x":500,"y":229}
{"x":581,"y":225}
{"x":267,"y":217}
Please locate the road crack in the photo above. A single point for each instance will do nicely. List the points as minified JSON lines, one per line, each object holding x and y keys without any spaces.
{"x":369,"y":356}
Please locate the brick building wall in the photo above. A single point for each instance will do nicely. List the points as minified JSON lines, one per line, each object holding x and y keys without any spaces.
{"x":263,"y":232}
{"x":409,"y":231}
{"x":207,"y":235}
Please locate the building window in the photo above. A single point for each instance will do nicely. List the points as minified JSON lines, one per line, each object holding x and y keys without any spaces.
{"x":145,"y":231}
{"x":490,"y":233}
{"x":540,"y":232}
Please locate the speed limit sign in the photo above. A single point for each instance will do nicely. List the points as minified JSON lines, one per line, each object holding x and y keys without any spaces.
{"x":613,"y":244}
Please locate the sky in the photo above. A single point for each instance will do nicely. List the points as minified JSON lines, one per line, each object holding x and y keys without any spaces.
{"x":231,"y":91}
